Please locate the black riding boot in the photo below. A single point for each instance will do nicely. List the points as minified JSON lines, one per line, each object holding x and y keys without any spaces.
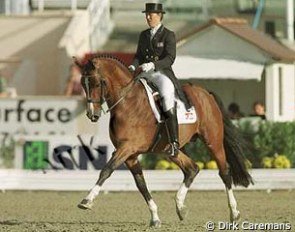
{"x":172,"y":129}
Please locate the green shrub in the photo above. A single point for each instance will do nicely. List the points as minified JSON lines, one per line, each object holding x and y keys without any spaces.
{"x":265,"y":139}
{"x":271,"y":138}
{"x":7,"y":149}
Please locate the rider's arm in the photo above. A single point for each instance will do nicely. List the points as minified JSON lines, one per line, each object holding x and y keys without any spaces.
{"x":138,"y":57}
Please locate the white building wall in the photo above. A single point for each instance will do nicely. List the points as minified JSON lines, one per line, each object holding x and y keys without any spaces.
{"x":280,"y":92}
{"x":288,"y":92}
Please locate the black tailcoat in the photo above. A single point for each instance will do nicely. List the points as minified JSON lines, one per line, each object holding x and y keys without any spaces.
{"x":161,"y":50}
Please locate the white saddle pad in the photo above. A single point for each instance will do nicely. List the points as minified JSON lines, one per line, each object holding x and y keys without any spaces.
{"x":183,"y":116}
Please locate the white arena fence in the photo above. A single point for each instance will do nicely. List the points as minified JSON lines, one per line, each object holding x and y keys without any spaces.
{"x":122,"y":180}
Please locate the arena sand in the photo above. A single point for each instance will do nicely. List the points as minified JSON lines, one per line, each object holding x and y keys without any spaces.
{"x":23,"y":211}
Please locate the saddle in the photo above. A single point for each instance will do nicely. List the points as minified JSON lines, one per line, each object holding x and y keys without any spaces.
{"x":184,"y":116}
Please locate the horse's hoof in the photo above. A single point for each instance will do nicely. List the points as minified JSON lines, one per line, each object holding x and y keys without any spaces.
{"x":182,"y":212}
{"x":235,"y":218}
{"x":155,"y":224}
{"x":85,"y":204}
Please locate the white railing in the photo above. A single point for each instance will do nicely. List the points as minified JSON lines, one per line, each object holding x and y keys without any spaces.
{"x":121,"y":180}
{"x":24,"y":7}
{"x":59,"y":4}
{"x":19,"y":7}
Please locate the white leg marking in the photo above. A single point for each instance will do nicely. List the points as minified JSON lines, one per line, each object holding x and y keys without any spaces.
{"x":154,"y":210}
{"x":93,"y":193}
{"x":180,"y":196}
{"x":232,"y":203}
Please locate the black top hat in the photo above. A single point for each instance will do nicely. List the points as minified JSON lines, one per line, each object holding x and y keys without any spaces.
{"x":153,"y":8}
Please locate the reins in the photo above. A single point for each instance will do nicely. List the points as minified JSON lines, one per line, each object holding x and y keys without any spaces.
{"x":126,"y":90}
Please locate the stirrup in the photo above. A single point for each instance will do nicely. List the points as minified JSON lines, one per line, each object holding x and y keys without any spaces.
{"x":174,"y":149}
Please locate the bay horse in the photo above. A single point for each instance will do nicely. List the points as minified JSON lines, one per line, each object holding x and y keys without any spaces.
{"x":133,"y":130}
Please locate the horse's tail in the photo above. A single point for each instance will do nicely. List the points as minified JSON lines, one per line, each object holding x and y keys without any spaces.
{"x":235,"y":147}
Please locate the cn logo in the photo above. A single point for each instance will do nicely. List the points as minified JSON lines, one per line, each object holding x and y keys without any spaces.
{"x":82,"y":157}
{"x":86,"y":156}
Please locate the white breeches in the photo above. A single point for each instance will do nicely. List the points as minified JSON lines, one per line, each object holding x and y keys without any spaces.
{"x":165,"y":87}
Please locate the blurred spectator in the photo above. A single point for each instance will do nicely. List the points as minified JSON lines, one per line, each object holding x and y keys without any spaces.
{"x":6,"y":91}
{"x":259,"y":110}
{"x":234,"y":111}
{"x":74,"y":87}
{"x":3,"y":86}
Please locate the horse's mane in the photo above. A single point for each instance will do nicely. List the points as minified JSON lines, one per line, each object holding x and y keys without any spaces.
{"x":110,"y":57}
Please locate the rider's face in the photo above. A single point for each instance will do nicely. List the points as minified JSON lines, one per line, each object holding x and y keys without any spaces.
{"x":153,"y":19}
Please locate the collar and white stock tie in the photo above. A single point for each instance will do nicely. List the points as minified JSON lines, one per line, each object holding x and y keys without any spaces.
{"x":154,"y":30}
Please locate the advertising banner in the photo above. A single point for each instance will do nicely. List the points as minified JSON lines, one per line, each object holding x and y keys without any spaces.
{"x":51,"y":133}
{"x":40,"y":115}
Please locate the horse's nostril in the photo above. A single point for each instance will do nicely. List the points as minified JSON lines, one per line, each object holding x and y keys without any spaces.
{"x":94,"y":118}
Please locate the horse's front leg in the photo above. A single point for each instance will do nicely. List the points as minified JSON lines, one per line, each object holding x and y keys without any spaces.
{"x":117,"y":159}
{"x":136,"y":170}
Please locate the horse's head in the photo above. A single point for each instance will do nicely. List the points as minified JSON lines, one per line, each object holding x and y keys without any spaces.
{"x":94,"y":86}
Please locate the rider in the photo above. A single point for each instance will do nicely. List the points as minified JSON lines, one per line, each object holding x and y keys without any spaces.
{"x":156,"y":51}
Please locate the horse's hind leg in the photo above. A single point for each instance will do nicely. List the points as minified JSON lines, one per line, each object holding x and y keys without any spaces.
{"x":224,"y":173}
{"x":232,"y":203}
{"x":190,"y":170}
{"x":136,"y":170}
{"x":218,"y":152}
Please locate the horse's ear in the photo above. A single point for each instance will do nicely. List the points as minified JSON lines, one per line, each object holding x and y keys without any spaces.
{"x":76,"y":61}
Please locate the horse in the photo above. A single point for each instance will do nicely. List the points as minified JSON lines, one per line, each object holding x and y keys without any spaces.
{"x":134,"y":130}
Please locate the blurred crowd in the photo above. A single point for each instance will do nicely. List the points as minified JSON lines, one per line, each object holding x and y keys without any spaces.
{"x":258,"y":109}
{"x":6,"y":91}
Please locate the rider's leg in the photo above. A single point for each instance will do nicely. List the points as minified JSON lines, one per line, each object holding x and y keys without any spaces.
{"x":172,"y":129}
{"x":167,"y":92}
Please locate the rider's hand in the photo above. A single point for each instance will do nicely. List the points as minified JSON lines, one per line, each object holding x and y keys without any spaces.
{"x":146,"y":67}
{"x":131,"y":68}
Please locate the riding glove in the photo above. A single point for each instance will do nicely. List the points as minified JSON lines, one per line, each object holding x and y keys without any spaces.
{"x":131,"y":68}
{"x":146,"y":67}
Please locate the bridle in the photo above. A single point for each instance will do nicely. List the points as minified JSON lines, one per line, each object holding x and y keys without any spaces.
{"x":102,"y":85}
